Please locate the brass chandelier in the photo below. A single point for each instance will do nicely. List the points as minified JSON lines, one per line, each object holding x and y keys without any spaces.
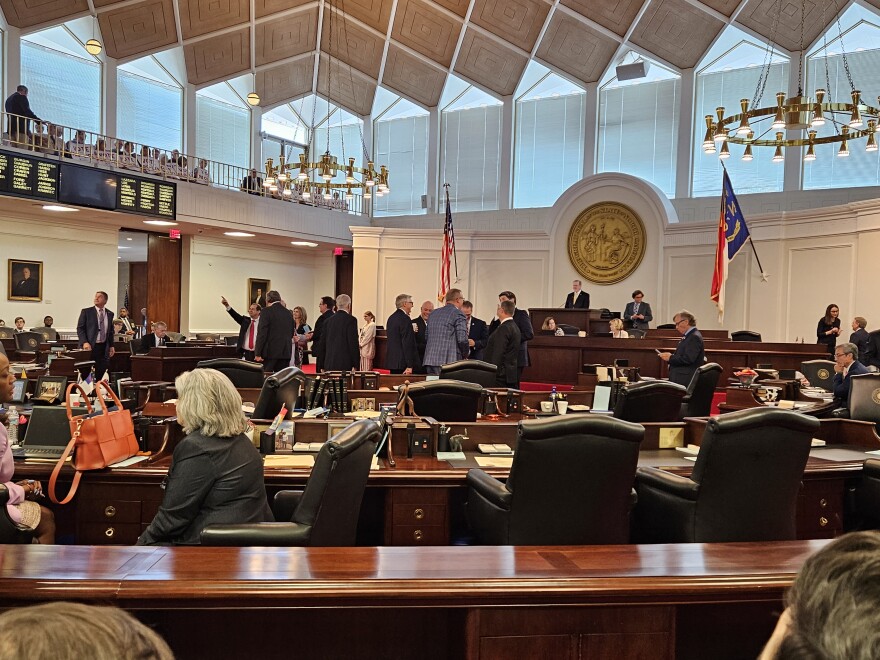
{"x":851,"y":121}
{"x":287,"y":175}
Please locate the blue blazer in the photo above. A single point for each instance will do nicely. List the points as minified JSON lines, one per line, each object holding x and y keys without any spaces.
{"x":480,"y":334}
{"x":840,"y":385}
{"x":87,"y":327}
{"x":446,"y":336}
{"x":688,"y":357}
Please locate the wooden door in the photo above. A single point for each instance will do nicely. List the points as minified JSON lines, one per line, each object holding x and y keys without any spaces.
{"x":163,"y":281}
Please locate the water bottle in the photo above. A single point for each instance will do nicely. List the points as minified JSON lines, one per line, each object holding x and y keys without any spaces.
{"x":553,"y":398}
{"x":13,"y":426}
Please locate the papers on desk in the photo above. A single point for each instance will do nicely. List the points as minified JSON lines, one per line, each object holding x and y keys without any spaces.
{"x":129,"y":461}
{"x":308,"y":446}
{"x":494,"y":461}
{"x":816,"y":442}
{"x":690,"y":450}
{"x":374,"y":464}
{"x":451,"y":456}
{"x":578,"y":407}
{"x":363,"y":414}
{"x":289,"y":460}
{"x":495,"y":449}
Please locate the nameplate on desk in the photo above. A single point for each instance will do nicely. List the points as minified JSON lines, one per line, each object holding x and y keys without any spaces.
{"x":671,"y":437}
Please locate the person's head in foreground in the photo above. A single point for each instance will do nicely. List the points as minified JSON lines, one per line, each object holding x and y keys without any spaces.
{"x":833,"y":607}
{"x":208,"y":402}
{"x":73,"y":631}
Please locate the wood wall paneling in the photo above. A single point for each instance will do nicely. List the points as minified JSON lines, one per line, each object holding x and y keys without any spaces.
{"x":137,"y":290}
{"x":163,"y":281}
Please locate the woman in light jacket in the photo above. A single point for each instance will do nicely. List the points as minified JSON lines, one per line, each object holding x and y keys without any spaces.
{"x":367,"y":341}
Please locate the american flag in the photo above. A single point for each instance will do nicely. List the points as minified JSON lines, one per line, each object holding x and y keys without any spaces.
{"x":125,"y":303}
{"x":447,"y":255}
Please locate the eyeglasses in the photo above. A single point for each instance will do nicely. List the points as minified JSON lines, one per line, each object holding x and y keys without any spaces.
{"x":837,"y":355}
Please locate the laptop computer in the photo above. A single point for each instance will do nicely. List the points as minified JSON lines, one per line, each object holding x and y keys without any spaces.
{"x":47,"y":434}
{"x":602,"y":399}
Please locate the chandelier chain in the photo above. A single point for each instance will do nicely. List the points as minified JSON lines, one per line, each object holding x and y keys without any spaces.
{"x":849,"y":79}
{"x":801,"y":54}
{"x":768,"y":58}
{"x":360,"y":124}
{"x":329,"y":68}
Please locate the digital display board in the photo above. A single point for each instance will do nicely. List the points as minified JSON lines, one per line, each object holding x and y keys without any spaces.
{"x":146,"y":197}
{"x":27,"y":176}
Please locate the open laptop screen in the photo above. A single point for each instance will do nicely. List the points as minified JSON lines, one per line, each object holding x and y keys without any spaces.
{"x":48,"y":427}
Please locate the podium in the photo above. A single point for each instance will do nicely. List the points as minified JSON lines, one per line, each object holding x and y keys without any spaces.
{"x":586,"y":320}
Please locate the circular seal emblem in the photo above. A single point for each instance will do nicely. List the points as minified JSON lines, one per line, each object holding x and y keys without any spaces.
{"x":875,"y":396}
{"x":823,"y":374}
{"x":606,"y":243}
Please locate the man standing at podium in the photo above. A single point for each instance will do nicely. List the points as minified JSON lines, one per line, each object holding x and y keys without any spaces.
{"x":95,"y":332}
{"x":577,"y":299}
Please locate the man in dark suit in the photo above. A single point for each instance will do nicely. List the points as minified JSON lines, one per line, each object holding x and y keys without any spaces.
{"x":638,"y":312}
{"x":401,"y":353}
{"x":478,"y":331}
{"x":94,"y":329}
{"x":846,"y":366}
{"x":524,"y":323}
{"x":249,"y":327}
{"x":155,"y":339}
{"x":861,"y":338}
{"x":689,"y":354}
{"x":20,"y":127}
{"x":340,"y":331}
{"x":502,"y":348}
{"x":577,"y":299}
{"x":274,"y":336}
{"x":27,"y":286}
{"x":421,"y":330}
{"x":325,"y":307}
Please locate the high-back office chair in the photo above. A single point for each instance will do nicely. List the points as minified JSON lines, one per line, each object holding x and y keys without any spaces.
{"x":10,"y":532}
{"x":570,"y":484}
{"x":868,"y":496}
{"x":666,"y":326}
{"x":176,"y":337}
{"x":48,"y":334}
{"x":864,"y":398}
{"x":6,"y":333}
{"x":240,"y":372}
{"x":700,"y":391}
{"x":568,"y":329}
{"x":28,"y":341}
{"x":446,"y":400}
{"x":636,"y":334}
{"x":820,"y":373}
{"x":650,"y":401}
{"x":280,"y":389}
{"x":744,"y":486}
{"x":872,"y":356}
{"x":326,"y":512}
{"x":745,"y":335}
{"x":470,"y":371}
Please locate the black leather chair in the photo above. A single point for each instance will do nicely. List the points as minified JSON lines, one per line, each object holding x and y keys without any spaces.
{"x":744,"y":486}
{"x":820,"y":373}
{"x":6,"y":333}
{"x":745,"y":335}
{"x":446,"y":400}
{"x":650,"y":401}
{"x":10,"y":532}
{"x":636,"y":334}
{"x":868,"y":496}
{"x":470,"y":371}
{"x":700,"y":391}
{"x":241,"y":372}
{"x":568,"y":329}
{"x":864,"y":398}
{"x":873,"y":352}
{"x":326,"y":512}
{"x":666,"y":326}
{"x":281,"y":388}
{"x":570,"y":484}
{"x":48,"y":334}
{"x":28,"y":341}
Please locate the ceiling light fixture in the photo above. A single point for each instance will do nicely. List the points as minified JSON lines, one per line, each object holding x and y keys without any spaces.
{"x":160,"y":223}
{"x":93,"y":46}
{"x":303,"y":243}
{"x":253,"y":98}
{"x":238,"y":234}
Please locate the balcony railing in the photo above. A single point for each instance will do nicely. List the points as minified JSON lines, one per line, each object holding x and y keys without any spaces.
{"x":54,"y":140}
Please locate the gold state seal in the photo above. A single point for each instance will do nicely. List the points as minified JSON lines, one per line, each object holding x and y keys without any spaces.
{"x":606,"y":243}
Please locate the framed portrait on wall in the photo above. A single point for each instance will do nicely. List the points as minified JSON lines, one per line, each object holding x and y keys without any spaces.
{"x":25,"y":280}
{"x":257,"y":290}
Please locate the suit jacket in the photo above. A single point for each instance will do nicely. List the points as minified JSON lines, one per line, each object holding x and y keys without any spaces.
{"x":401,"y":351}
{"x":862,"y":339}
{"x":446,"y":336}
{"x":17,"y":104}
{"x":873,"y":355}
{"x":244,"y":323}
{"x":638,"y":324}
{"x":341,"y":349}
{"x":582,"y":302}
{"x":524,"y":323}
{"x":87,"y":327}
{"x":318,"y":338}
{"x":502,"y":350}
{"x":480,"y":334}
{"x":211,"y":481}
{"x":274,"y":333}
{"x":840,"y":385}
{"x":148,"y":341}
{"x":28,"y":288}
{"x":421,"y":336}
{"x":689,"y":355}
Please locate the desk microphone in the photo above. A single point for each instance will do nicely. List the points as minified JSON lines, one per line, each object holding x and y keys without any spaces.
{"x":410,"y":437}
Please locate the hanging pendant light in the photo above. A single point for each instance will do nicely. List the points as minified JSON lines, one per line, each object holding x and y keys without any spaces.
{"x":93,"y":46}
{"x":778,"y":157}
{"x":253,"y":98}
{"x":811,"y":152}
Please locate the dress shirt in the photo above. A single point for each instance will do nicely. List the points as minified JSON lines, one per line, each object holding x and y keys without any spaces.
{"x":250,"y":340}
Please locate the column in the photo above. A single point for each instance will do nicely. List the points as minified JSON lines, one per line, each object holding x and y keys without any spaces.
{"x":256,"y":139}
{"x":685,"y":140}
{"x":12,"y":60}
{"x":793,"y":155}
{"x":591,"y":128}
{"x":189,"y":121}
{"x":110,"y":92}
{"x":505,"y":195}
{"x":432,"y":187}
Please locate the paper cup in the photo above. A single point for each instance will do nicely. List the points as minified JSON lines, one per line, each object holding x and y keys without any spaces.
{"x":562,"y":406}
{"x":547,"y":406}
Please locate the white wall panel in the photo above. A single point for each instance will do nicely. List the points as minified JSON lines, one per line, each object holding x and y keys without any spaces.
{"x":413,"y":274}
{"x":524,"y":276}
{"x":817,"y":277}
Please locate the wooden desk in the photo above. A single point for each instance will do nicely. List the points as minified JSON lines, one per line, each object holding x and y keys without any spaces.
{"x":585,"y":320}
{"x":690,"y":601}
{"x":166,"y":364}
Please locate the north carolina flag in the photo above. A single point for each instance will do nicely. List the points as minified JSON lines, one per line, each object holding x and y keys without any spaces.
{"x":732,"y":236}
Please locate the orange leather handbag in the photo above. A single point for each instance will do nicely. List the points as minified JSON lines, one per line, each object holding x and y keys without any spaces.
{"x":98,"y":438}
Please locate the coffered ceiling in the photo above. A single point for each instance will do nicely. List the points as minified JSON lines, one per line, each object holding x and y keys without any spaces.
{"x":412,"y":46}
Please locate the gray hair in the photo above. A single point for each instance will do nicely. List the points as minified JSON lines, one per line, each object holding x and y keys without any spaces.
{"x":208,"y":402}
{"x":75,"y":630}
{"x":847,"y":347}
{"x":685,"y":315}
{"x":343,"y":301}
{"x":401,"y":300}
{"x":273,"y":296}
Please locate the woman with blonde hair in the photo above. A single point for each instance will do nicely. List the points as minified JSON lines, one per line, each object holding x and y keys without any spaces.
{"x":367,"y":341}
{"x":301,"y":329}
{"x":216,"y":473}
{"x":617,"y":330}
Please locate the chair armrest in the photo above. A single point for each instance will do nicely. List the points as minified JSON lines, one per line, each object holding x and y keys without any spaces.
{"x":871,"y":468}
{"x":489,"y":488}
{"x":285,"y":504}
{"x":256,"y":534}
{"x":840,"y":413}
{"x":668,"y":482}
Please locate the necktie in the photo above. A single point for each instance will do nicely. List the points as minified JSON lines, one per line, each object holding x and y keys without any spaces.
{"x":250,"y":341}
{"x":635,"y":309}
{"x":101,"y":338}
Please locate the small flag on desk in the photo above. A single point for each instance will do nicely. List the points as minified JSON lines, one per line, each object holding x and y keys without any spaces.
{"x":732,"y":236}
{"x":87,"y":385}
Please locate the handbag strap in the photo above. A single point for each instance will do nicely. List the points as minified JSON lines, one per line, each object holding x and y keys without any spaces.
{"x":57,"y":470}
{"x":83,"y":396}
{"x":109,"y":390}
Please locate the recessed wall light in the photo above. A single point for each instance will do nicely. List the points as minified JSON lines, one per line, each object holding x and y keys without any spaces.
{"x":238,"y":234}
{"x":58,"y":208}
{"x":160,"y":223}
{"x":129,"y":238}
{"x":303,"y":243}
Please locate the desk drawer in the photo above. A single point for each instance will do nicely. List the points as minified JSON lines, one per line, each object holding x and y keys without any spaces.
{"x":420,"y":496}
{"x":419,"y":535}
{"x":419,"y":514}
{"x":110,"y":511}
{"x":96,"y":533}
